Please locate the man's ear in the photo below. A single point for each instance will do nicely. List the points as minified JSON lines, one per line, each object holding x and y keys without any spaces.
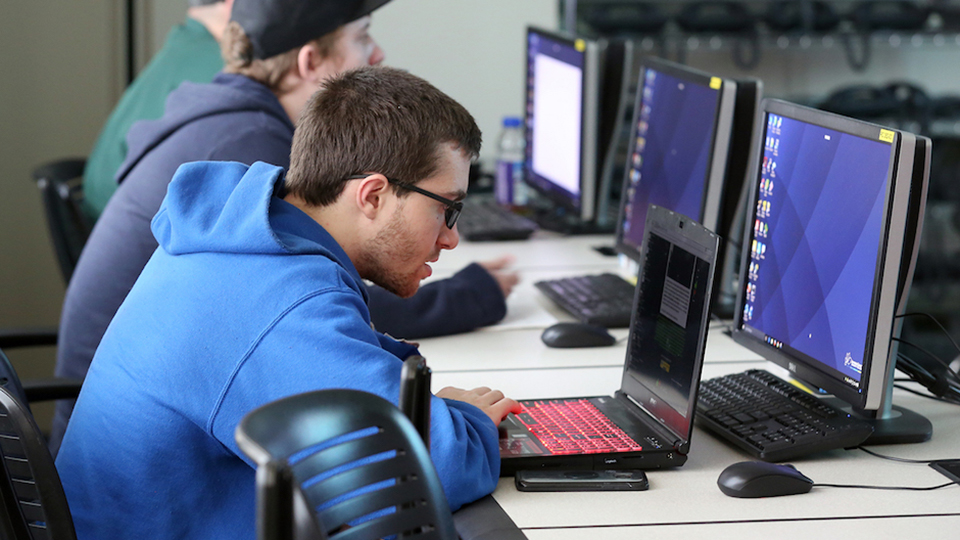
{"x":314,"y":67}
{"x":370,"y":195}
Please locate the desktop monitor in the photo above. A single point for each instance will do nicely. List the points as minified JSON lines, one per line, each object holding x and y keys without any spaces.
{"x":829,"y":246}
{"x":562,"y":120}
{"x":679,"y":148}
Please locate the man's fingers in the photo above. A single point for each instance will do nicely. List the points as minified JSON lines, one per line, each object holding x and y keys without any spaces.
{"x":497,"y":264}
{"x":500,"y":409}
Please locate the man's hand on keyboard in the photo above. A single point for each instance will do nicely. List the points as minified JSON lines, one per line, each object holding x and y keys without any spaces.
{"x":491,"y":402}
{"x":506,"y":279}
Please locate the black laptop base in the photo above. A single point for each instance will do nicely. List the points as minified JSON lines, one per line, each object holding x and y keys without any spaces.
{"x":527,"y":452}
{"x":593,"y":462}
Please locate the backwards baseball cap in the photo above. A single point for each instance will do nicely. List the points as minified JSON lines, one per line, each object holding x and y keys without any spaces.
{"x":276,"y":26}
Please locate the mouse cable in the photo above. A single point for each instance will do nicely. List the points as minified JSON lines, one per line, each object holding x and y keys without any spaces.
{"x":900,"y":459}
{"x":891,"y":458}
{"x":905,"y":488}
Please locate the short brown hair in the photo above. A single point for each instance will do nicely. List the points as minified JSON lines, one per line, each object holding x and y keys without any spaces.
{"x":238,"y":57}
{"x":374,"y":119}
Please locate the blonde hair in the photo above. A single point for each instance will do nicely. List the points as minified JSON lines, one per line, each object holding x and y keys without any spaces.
{"x":238,"y":56}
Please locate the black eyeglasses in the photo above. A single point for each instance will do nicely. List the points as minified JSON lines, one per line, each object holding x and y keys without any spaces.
{"x":453,"y":208}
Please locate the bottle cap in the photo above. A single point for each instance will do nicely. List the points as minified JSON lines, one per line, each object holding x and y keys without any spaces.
{"x":511,"y":121}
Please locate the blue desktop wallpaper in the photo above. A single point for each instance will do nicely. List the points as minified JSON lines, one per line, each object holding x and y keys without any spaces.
{"x":816,"y":239}
{"x":671,"y":150}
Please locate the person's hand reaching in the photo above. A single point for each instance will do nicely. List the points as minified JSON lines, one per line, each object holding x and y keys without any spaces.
{"x":492,"y":402}
{"x":507,"y":279}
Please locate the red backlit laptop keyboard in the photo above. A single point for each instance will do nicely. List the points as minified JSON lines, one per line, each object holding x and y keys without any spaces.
{"x":574,"y":427}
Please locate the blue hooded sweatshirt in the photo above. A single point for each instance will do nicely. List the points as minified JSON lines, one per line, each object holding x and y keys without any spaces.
{"x":248,"y":300}
{"x":234,"y":118}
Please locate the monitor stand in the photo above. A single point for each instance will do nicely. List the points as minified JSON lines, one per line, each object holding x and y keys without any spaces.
{"x":558,"y":219}
{"x":892,"y":424}
{"x":897,"y":426}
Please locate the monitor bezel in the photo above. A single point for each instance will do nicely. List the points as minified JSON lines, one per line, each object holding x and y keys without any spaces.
{"x":583,"y":205}
{"x":719,"y":149}
{"x":877,"y":365}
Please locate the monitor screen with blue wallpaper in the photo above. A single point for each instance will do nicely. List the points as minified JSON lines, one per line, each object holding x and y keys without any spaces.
{"x":678,"y":148}
{"x":817,"y":241}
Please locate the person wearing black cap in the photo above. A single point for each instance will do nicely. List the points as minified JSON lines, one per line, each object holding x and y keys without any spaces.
{"x":277,"y":54}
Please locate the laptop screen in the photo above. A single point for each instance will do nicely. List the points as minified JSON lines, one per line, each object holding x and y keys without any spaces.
{"x":671,"y":312}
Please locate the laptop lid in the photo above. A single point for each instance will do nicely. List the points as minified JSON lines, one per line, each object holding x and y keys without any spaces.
{"x":661,"y":374}
{"x":668,"y":330}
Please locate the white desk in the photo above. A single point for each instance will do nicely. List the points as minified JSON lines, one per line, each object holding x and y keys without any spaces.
{"x":522,"y":349}
{"x":825,"y":529}
{"x":689,"y":494}
{"x":539,"y":252}
{"x":686,"y":502}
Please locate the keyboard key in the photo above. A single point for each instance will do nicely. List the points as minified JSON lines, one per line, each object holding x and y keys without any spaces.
{"x":773,"y":420}
{"x":601,"y":299}
{"x":574,"y":427}
{"x":483,"y":219}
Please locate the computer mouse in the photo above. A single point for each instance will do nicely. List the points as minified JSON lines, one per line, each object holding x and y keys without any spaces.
{"x":574,"y":334}
{"x":752,"y":479}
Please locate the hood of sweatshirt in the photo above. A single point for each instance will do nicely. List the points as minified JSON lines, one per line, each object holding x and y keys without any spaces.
{"x":226,"y":94}
{"x":231,"y":208}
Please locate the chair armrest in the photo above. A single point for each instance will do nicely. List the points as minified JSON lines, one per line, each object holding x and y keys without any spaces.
{"x":27,"y":336}
{"x":64,"y":169}
{"x":51,"y":389}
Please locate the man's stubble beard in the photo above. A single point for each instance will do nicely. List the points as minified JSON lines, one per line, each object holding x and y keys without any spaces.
{"x":391,"y":245}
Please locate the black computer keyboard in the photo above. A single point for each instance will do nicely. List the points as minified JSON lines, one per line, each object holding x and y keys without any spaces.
{"x":773,"y":420}
{"x":602,"y":299}
{"x":484,"y":219}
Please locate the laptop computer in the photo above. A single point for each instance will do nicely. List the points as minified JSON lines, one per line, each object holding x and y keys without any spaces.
{"x":647,"y":423}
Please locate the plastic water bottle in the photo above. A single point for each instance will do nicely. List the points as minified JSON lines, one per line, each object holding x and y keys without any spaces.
{"x":509,"y":188}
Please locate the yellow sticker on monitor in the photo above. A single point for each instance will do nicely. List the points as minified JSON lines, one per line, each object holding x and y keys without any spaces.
{"x":715,"y":83}
{"x":580,"y":45}
{"x":886,"y":135}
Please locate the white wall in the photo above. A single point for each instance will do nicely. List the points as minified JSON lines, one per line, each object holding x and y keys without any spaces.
{"x":60,"y":61}
{"x":473,"y":51}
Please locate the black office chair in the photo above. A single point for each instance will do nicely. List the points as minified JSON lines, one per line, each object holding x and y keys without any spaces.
{"x":297,"y":441}
{"x":61,"y":186}
{"x":33,"y":390}
{"x":32,"y":503}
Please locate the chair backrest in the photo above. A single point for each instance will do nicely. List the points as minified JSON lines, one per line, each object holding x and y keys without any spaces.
{"x":355,"y":460}
{"x":10,"y":380}
{"x":415,"y":394}
{"x":61,"y":187}
{"x":32,"y":503}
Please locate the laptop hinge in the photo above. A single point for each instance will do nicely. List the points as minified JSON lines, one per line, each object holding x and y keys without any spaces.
{"x":664,"y":433}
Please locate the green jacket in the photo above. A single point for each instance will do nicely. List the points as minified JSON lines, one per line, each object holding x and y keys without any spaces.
{"x":190,"y":53}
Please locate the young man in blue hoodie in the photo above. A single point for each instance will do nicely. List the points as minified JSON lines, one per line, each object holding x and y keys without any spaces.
{"x":277,"y":54}
{"x":256,"y":293}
